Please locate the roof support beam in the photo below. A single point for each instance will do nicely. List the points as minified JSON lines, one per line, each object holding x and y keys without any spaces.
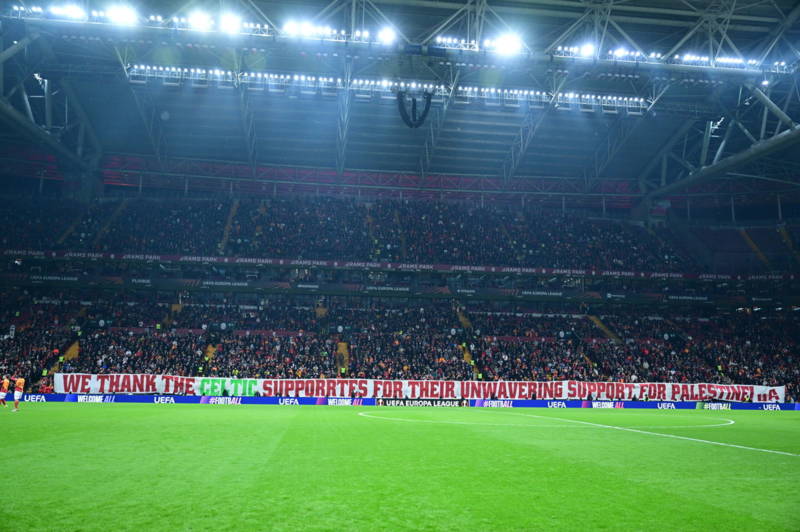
{"x":435,"y":127}
{"x":74,"y":105}
{"x":684,"y":39}
{"x":527,"y":131}
{"x":343,"y":124}
{"x":615,"y":143}
{"x":634,"y":15}
{"x":769,"y":104}
{"x":379,"y":15}
{"x":146,"y":113}
{"x":26,"y":103}
{"x":14,"y":49}
{"x":567,"y":32}
{"x":77,"y":108}
{"x":724,"y":143}
{"x":29,"y":126}
{"x":16,"y":119}
{"x":252,"y":5}
{"x":778,"y":33}
{"x":627,"y":37}
{"x":331,"y":9}
{"x":439,"y":28}
{"x":248,"y":126}
{"x":706,"y":143}
{"x":732,"y":162}
{"x":663,"y":152}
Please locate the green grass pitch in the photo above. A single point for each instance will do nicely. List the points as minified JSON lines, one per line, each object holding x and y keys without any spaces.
{"x":228,"y":467}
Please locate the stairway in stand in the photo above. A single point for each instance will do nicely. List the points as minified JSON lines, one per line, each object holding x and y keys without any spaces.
{"x":70,"y":229}
{"x":374,"y":244}
{"x":226,"y":234}
{"x":787,"y":239}
{"x":106,"y":226}
{"x":342,"y":358}
{"x":399,"y":225}
{"x":753,"y":246}
{"x":463,"y":319}
{"x":71,"y":353}
{"x":603,"y":327}
{"x":466,"y":324}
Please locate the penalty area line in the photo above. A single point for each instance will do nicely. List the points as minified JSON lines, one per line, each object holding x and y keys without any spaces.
{"x":674,"y":436}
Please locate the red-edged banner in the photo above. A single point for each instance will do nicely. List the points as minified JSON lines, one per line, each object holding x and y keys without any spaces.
{"x":414,"y":389}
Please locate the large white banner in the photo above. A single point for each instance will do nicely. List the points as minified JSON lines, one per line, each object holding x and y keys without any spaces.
{"x":414,"y":389}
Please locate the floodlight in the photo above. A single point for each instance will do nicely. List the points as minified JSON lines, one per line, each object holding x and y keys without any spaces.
{"x":122,"y":15}
{"x":387,"y":35}
{"x":307,"y":29}
{"x":508,"y":44}
{"x":291,"y":28}
{"x":200,"y":21}
{"x":587,"y":50}
{"x":230,"y":23}
{"x":69,"y":11}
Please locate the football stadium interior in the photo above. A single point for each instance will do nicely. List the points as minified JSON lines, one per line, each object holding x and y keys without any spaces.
{"x":220,"y":221}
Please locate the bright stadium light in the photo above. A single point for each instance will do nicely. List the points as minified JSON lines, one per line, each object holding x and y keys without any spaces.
{"x":122,"y":15}
{"x":291,"y":28}
{"x":69,"y":11}
{"x":230,"y":23}
{"x":508,"y":44}
{"x":200,"y":21}
{"x":387,"y":35}
{"x":587,"y":50}
{"x":307,"y":29}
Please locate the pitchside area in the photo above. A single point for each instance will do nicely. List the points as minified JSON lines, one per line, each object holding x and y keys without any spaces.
{"x":185,"y":467}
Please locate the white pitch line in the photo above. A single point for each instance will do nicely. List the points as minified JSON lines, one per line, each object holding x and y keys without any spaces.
{"x":675,"y":436}
{"x":446,"y":422}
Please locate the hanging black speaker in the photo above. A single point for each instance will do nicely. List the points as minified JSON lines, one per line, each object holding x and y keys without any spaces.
{"x":413,"y":121}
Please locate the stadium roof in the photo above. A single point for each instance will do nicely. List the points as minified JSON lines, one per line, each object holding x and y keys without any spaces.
{"x":664,"y":97}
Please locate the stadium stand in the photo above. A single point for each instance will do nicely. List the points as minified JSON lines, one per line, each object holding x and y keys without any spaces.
{"x":291,"y":337}
{"x":215,"y":332}
{"x":340,"y":229}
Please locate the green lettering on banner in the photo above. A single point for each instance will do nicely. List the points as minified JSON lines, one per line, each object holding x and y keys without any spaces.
{"x":242,"y":386}
{"x":204,"y":387}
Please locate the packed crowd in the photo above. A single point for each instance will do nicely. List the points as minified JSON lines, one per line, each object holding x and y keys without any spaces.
{"x":534,"y":325}
{"x":285,"y":337}
{"x":35,"y":331}
{"x":35,"y":224}
{"x":342,"y":229}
